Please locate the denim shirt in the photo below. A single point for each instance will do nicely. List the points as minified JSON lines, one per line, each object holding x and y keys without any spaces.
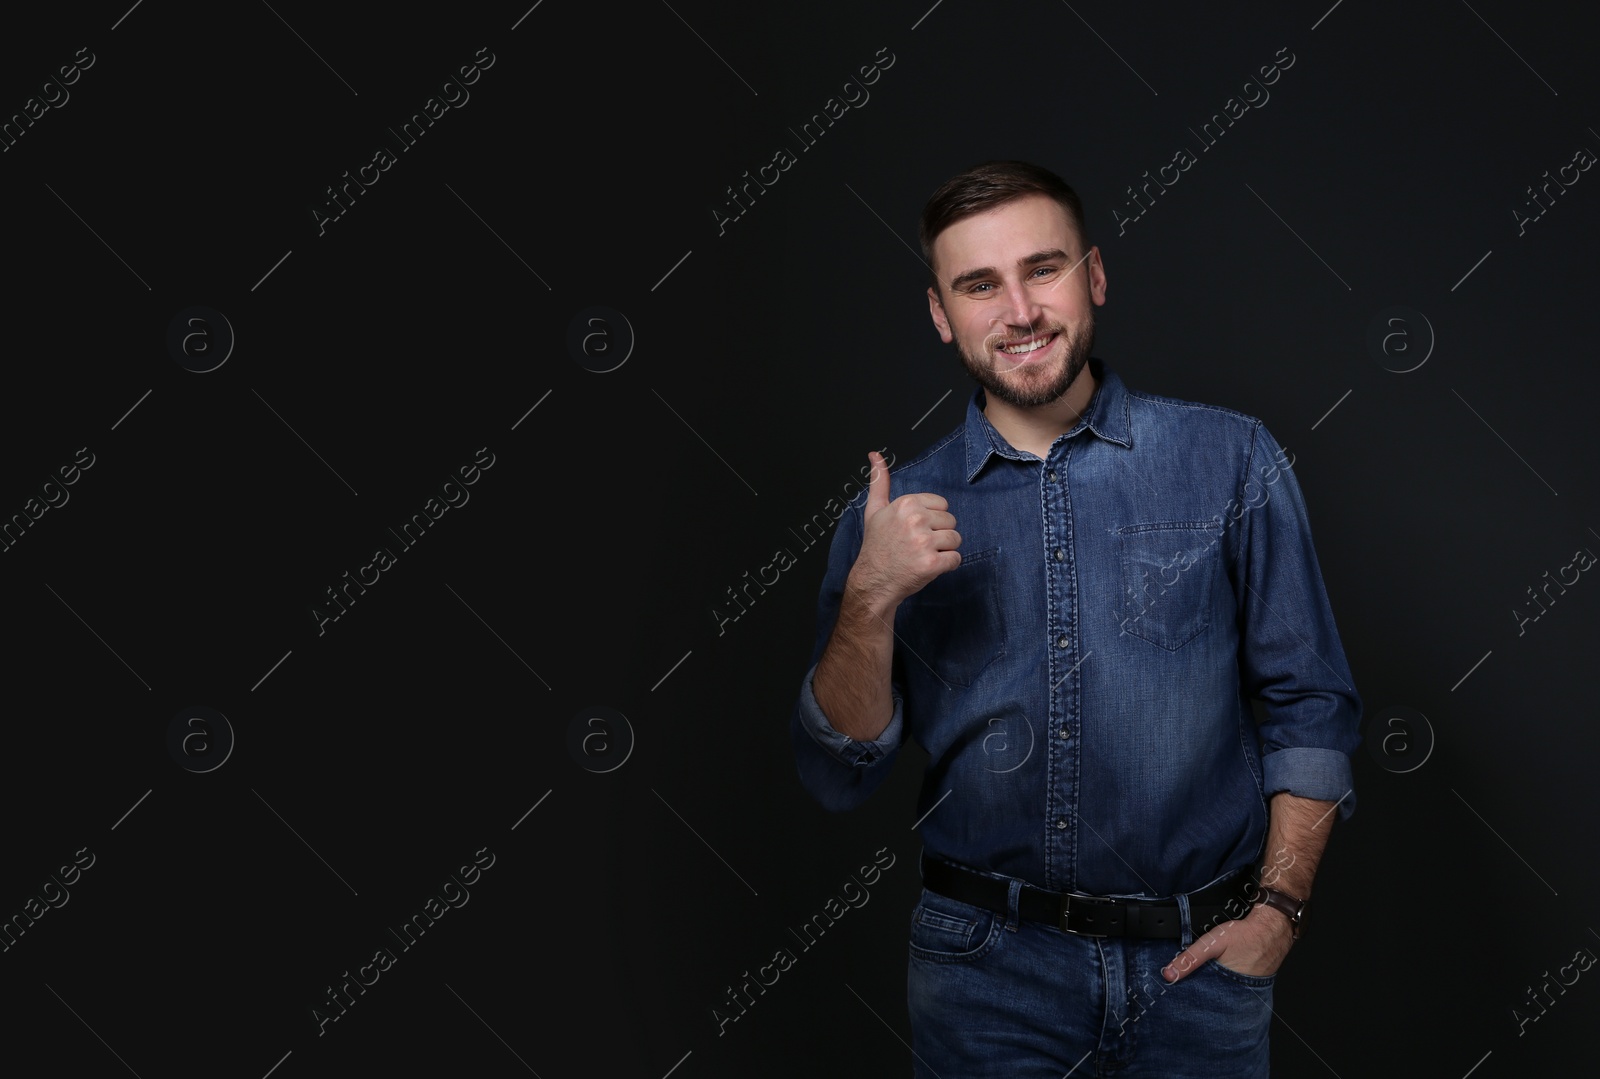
{"x":1082,"y":682}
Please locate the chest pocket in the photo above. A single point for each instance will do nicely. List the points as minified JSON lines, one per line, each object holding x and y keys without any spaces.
{"x":1169,"y":570}
{"x":952,"y":630}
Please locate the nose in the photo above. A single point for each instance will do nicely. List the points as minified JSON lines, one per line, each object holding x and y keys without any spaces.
{"x":1019,"y":310}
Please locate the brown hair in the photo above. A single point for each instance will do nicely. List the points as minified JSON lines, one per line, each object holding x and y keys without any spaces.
{"x":985,"y":186}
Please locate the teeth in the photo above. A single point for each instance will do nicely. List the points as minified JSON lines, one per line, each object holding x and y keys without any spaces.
{"x":1018,"y":350}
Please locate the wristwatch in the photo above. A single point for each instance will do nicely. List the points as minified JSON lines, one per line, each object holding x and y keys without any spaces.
{"x":1296,"y":910}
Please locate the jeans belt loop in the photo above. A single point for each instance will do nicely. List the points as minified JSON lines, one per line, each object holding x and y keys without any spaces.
{"x":1013,"y":904}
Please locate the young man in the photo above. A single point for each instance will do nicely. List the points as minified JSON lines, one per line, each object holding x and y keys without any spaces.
{"x":1116,"y":854}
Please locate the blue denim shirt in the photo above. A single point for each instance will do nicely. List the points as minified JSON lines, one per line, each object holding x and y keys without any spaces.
{"x":1082,"y":681}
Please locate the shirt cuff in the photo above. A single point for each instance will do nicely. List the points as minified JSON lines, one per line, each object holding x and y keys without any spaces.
{"x":1323,"y":774}
{"x":844,"y":749}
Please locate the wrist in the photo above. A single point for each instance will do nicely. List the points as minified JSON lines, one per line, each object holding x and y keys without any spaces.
{"x":867,"y":603}
{"x":1290,"y":909}
{"x":1272,"y":914}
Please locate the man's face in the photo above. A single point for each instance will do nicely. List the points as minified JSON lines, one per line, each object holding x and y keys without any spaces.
{"x":1018,"y":296}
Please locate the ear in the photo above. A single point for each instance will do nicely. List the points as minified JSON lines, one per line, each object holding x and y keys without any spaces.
{"x":940,"y":320}
{"x":1097,"y":277}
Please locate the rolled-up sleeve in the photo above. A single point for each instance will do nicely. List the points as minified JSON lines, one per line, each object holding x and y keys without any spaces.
{"x":838,"y":771}
{"x":1290,"y":655}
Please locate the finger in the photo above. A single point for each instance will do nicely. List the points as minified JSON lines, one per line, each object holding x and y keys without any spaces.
{"x":878,"y":485}
{"x":929,"y":500}
{"x":1181,"y":965}
{"x":1184,"y":963}
{"x":946,"y":539}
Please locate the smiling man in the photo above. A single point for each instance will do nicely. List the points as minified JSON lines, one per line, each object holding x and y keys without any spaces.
{"x":1118,"y":851}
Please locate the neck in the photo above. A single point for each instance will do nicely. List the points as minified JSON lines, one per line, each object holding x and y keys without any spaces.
{"x":1036,"y":428}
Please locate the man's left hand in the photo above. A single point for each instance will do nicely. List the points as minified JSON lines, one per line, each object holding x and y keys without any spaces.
{"x":1255,"y":945}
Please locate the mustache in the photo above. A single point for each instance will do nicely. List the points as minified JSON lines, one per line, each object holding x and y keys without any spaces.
{"x":1017,"y":335}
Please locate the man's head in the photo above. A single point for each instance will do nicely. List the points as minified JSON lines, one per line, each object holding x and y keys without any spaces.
{"x":1005,"y":241}
{"x":986,"y":186}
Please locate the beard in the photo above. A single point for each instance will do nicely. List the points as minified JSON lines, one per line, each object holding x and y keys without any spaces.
{"x":1030,"y":387}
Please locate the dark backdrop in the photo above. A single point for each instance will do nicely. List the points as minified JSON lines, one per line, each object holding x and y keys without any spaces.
{"x":542,"y":679}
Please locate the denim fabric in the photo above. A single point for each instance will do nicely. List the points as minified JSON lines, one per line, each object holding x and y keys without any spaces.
{"x":990,"y":995}
{"x":1082,"y":681}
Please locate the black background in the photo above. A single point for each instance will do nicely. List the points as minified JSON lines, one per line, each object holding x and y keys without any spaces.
{"x":585,"y":571}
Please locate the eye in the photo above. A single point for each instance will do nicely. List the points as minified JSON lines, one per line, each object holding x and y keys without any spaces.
{"x":976,"y":289}
{"x":1044,"y":270}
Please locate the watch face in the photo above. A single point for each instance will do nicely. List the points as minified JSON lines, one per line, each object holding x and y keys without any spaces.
{"x":1298,"y":919}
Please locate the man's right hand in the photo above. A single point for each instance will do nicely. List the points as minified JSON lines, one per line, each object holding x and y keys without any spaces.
{"x":905,"y":543}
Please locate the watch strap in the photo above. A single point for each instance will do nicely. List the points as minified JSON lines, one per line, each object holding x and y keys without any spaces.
{"x":1295,"y":909}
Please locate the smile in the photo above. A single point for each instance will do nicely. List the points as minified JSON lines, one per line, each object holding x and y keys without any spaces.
{"x":1029,"y":346}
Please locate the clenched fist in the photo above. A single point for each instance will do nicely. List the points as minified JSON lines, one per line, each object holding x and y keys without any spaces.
{"x":905,"y":543}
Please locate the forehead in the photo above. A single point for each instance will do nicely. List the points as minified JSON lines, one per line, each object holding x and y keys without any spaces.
{"x":1000,"y":236}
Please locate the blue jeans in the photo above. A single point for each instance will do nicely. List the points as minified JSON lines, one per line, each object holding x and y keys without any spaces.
{"x":993,"y":995}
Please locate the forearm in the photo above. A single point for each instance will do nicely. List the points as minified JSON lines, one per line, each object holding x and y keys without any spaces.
{"x":1297,"y":834}
{"x":851,"y":683}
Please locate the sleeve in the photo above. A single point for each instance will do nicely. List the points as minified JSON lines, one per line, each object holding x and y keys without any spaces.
{"x":839,"y":772}
{"x":1290,"y":656}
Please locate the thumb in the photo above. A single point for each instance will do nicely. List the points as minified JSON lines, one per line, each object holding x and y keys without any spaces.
{"x":878,"y":486}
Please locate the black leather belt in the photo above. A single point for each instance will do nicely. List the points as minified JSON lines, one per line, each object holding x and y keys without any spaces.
{"x":1091,"y":915}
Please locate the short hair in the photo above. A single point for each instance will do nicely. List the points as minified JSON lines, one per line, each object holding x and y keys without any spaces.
{"x":986,"y":186}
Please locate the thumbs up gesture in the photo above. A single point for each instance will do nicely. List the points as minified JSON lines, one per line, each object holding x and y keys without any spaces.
{"x":906,"y":542}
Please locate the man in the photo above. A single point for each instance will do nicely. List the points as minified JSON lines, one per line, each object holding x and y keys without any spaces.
{"x":1117,"y":852}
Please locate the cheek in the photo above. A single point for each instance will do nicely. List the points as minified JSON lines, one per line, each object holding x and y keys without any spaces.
{"x":979,"y":327}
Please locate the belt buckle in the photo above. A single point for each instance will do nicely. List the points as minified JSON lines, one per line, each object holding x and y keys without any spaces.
{"x":1066,"y":910}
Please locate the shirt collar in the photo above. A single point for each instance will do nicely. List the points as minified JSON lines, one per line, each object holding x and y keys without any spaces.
{"x":1107,"y":416}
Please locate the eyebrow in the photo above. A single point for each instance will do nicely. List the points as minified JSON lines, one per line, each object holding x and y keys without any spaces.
{"x":1022,"y":263}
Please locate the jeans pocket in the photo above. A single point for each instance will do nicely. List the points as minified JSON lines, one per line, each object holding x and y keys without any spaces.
{"x":953,"y":628}
{"x":945,"y":930}
{"x":1168,"y":572}
{"x":1253,"y":981}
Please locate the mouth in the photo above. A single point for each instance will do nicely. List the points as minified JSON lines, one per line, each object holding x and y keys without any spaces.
{"x":1027,"y":349}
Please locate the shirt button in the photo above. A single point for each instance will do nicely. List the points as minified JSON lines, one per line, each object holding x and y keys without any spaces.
{"x":1060,"y":554}
{"x":1051,"y":475}
{"x":1061,"y":641}
{"x":1062,"y":823}
{"x":1065,"y":733}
